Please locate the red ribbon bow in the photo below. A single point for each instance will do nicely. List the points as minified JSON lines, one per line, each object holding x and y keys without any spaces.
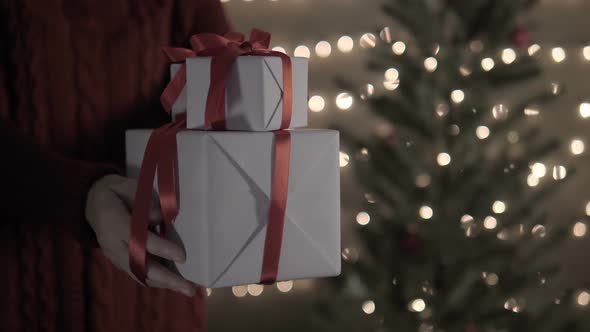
{"x":224,"y":50}
{"x":160,"y":155}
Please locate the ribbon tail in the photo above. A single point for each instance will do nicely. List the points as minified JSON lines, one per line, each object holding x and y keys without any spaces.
{"x":278,"y":207}
{"x":173,"y":89}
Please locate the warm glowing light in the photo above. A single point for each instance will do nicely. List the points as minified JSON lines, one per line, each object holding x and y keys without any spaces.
{"x":499,"y":207}
{"x":344,"y":101}
{"x":302,"y":51}
{"x":385,"y":35}
{"x":363,"y":218}
{"x":513,"y":137}
{"x":539,"y":170}
{"x":344,"y":159}
{"x":586,"y":53}
{"x":500,"y":112}
{"x":285,"y":286}
{"x":577,"y":146}
{"x":209,"y":291}
{"x":579,"y":229}
{"x":508,"y":56}
{"x":491,"y":279}
{"x":279,"y":49}
{"x":391,"y":74}
{"x":588,"y":209}
{"x":368,"y":40}
{"x":423,"y":180}
{"x":585,"y":110}
{"x":532,"y":180}
{"x":487,"y":64}
{"x":323,"y":49}
{"x":457,"y":96}
{"x":368,"y":307}
{"x":398,"y":48}
{"x":464,"y":70}
{"x":467,"y":219}
{"x":239,"y":291}
{"x":476,"y":46}
{"x":345,"y":44}
{"x":443,"y":159}
{"x":583,"y":298}
{"x":426,"y":212}
{"x":390,"y":85}
{"x":533,"y":49}
{"x":539,"y":231}
{"x":559,"y":172}
{"x":255,"y":290}
{"x":316,"y":103}
{"x":558,"y":54}
{"x":430,"y":64}
{"x":417,"y":305}
{"x":482,"y":132}
{"x":490,"y":222}
{"x":532,"y":111}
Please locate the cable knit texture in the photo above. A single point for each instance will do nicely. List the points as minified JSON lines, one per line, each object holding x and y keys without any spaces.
{"x":74,"y":74}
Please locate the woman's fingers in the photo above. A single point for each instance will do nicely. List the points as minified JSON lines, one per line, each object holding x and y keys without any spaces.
{"x":126,"y":188}
{"x":161,"y":247}
{"x":161,"y":277}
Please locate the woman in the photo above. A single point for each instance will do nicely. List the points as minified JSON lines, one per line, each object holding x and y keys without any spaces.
{"x":74,"y":74}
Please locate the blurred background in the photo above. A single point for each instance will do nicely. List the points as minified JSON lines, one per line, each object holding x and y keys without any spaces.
{"x":352,"y":46}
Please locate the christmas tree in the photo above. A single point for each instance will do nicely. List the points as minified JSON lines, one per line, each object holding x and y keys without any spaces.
{"x":452,"y":223}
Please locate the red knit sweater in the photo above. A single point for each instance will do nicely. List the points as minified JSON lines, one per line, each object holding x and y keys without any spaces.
{"x":74,"y":74}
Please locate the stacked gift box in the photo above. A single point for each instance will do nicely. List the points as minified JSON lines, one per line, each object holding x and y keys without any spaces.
{"x":229,"y":175}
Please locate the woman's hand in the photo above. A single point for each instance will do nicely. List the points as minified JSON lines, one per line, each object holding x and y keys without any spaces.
{"x":108,"y":209}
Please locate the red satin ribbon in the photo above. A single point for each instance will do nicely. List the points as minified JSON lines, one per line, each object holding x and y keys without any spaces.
{"x":161,"y":151}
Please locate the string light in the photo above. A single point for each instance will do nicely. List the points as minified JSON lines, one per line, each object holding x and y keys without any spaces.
{"x":586,"y":53}
{"x":585,"y":110}
{"x":490,"y":222}
{"x":533,"y":49}
{"x":508,"y":56}
{"x":344,"y":159}
{"x":457,"y":96}
{"x":423,"y":180}
{"x":430,"y":64}
{"x":345,"y":44}
{"x":398,"y":48}
{"x":467,"y":220}
{"x":442,"y":109}
{"x":391,"y":74}
{"x":344,"y":101}
{"x":579,"y":229}
{"x":482,"y":132}
{"x":255,"y":290}
{"x":500,"y":112}
{"x":368,"y":40}
{"x":588,"y":209}
{"x":323,"y":49}
{"x":577,"y":146}
{"x":368,"y":90}
{"x":368,"y":307}
{"x":239,"y":291}
{"x":285,"y":286}
{"x":390,"y":85}
{"x":425,"y":212}
{"x":385,"y":35}
{"x":531,"y":111}
{"x":513,"y":137}
{"x":583,"y":298}
{"x":316,"y":103}
{"x":487,"y":64}
{"x":538,"y":231}
{"x":363,"y":218}
{"x":350,"y":255}
{"x":514,"y":305}
{"x":499,"y":207}
{"x":209,"y":291}
{"x":443,"y":159}
{"x":532,"y":180}
{"x":555,"y":88}
{"x":279,"y":49}
{"x":464,"y":70}
{"x":558,"y":54}
{"x":491,"y":279}
{"x":417,"y":305}
{"x":559,"y":172}
{"x":302,"y":51}
{"x":454,"y":130}
{"x":476,"y":46}
{"x":539,"y":170}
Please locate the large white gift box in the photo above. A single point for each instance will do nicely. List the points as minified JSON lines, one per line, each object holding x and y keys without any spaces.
{"x":224,"y":183}
{"x":254,"y":93}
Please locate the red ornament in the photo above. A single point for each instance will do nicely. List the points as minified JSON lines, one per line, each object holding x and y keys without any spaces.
{"x":411,"y":243}
{"x":520,"y":37}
